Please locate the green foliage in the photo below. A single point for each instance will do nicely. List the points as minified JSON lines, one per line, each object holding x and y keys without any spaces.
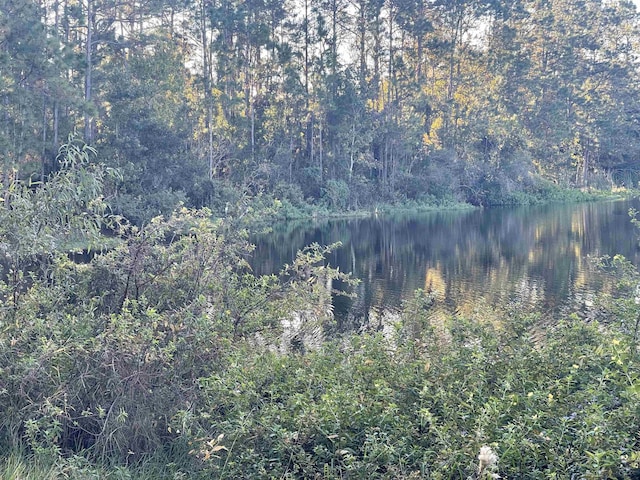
{"x":423,"y":403}
{"x":165,"y":356}
{"x":168,"y":343}
{"x":98,"y":356}
{"x":414,"y":101}
{"x":37,"y":220}
{"x":337,"y":193}
{"x":13,"y":467}
{"x":420,"y":404}
{"x":129,"y":334}
{"x":18,"y":465}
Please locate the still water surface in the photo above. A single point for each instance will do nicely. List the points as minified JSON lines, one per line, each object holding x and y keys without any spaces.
{"x":532,"y":257}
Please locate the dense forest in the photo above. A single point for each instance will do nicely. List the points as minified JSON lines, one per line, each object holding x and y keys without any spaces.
{"x":142,"y":142}
{"x":341,"y":103}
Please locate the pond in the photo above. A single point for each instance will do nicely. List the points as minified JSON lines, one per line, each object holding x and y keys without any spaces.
{"x":533,"y":257}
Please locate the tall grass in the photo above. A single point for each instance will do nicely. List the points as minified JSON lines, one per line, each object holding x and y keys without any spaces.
{"x":17,"y":466}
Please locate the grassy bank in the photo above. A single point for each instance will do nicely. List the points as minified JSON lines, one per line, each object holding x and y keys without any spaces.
{"x":285,"y":209}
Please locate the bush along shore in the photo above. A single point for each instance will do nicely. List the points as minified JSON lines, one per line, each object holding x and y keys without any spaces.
{"x":287,"y":207}
{"x":163,"y":358}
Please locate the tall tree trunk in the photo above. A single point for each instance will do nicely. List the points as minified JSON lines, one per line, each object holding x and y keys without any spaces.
{"x":56,"y":110}
{"x":306,"y":52}
{"x":206,"y":80}
{"x":320,"y":153}
{"x":88,"y":129}
{"x":43,"y":161}
{"x":334,"y":48}
{"x":390,"y":71}
{"x":362,"y":53}
{"x":376,"y":88}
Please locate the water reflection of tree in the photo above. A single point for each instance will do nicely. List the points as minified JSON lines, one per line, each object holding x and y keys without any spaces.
{"x":537,"y":256}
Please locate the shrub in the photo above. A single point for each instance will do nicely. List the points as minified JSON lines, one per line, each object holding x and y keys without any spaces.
{"x":423,"y":403}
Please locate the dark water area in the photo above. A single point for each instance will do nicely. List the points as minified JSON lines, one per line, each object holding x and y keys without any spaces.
{"x":531,"y":257}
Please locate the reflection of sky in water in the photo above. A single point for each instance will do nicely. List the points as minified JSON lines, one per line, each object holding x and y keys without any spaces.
{"x":536,"y":256}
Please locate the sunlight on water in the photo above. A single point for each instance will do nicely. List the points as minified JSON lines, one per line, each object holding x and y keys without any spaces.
{"x":534,"y":258}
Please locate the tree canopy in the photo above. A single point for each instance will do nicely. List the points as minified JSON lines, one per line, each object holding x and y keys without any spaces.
{"x":341,"y":102}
